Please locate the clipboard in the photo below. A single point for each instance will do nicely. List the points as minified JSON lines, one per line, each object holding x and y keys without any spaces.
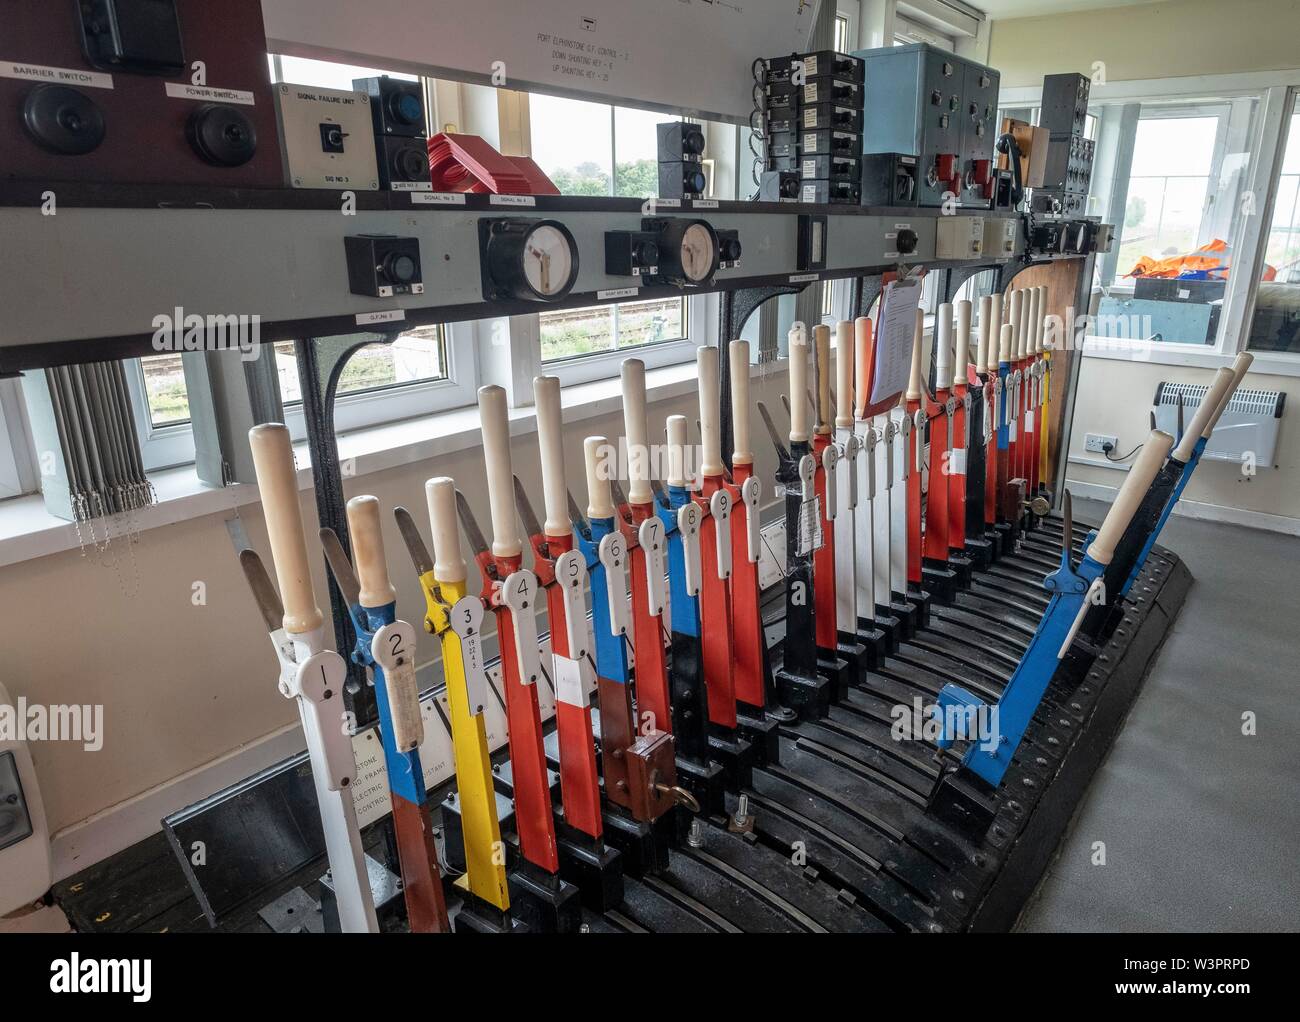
{"x":888,"y":361}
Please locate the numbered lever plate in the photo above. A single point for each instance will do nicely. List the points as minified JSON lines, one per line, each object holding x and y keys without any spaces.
{"x":517,"y":594}
{"x":720,"y":509}
{"x":613,"y":558}
{"x":830,"y":465}
{"x":393,"y":649}
{"x":688,"y":527}
{"x":652,"y":536}
{"x":750,"y":494}
{"x":466,"y":617}
{"x":319,"y":685}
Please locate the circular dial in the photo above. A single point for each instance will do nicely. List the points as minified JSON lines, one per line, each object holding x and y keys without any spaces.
{"x":698,"y":251}
{"x":548,"y":260}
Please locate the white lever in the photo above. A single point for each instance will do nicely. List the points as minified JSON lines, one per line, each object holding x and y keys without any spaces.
{"x":651,"y":537}
{"x":852,"y":445}
{"x":891,"y":430}
{"x":613,"y":556}
{"x":720,"y":508}
{"x":517,"y":594}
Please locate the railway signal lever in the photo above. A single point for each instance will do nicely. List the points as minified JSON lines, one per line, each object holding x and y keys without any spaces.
{"x":993,"y":733}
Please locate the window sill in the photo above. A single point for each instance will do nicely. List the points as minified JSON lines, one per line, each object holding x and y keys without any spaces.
{"x":28,"y":531}
{"x":1267,"y":363}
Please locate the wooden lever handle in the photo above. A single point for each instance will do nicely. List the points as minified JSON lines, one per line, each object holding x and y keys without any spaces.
{"x":825,"y":395}
{"x":744,"y":448}
{"x":1240,"y":365}
{"x":862,"y":363}
{"x":599,"y":502}
{"x":277,"y":480}
{"x":943,"y":347}
{"x":368,"y":552}
{"x":710,"y":426}
{"x":844,"y":354}
{"x":798,"y":385}
{"x":448,"y":561}
{"x":1004,"y":346}
{"x":550,"y":442}
{"x":1210,"y":405}
{"x":990,"y":364}
{"x":963,"y":343}
{"x":677,"y":450}
{"x":914,"y":382}
{"x":1135,"y":485}
{"x":636,"y":431}
{"x":495,"y":421}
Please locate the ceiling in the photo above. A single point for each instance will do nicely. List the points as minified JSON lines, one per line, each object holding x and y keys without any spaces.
{"x":1038,"y":8}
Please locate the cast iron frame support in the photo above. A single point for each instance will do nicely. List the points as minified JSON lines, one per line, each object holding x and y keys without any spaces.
{"x":321,"y":361}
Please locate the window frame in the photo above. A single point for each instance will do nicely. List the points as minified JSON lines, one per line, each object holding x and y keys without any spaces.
{"x":18,"y":475}
{"x":1276,"y":91}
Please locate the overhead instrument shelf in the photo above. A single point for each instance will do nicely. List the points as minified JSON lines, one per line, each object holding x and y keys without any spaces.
{"x":87,"y":269}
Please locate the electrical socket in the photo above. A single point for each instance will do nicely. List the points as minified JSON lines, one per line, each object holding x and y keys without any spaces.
{"x":1096,"y":443}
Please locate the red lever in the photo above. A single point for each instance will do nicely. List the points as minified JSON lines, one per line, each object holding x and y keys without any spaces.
{"x":467,"y":163}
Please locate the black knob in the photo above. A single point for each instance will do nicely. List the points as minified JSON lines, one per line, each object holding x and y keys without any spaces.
{"x":63,"y":120}
{"x":221,"y":135}
{"x":646,"y":253}
{"x":399,"y":268}
{"x":729,"y":249}
{"x":789,"y":186}
{"x":692,"y":141}
{"x":906,"y":240}
{"x":411,"y":163}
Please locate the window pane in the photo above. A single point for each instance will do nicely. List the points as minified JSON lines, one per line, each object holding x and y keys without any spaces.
{"x":660,"y":319}
{"x":572,"y":143}
{"x":841,"y":34}
{"x":1276,"y":324}
{"x":1181,"y":217}
{"x":1174,"y":145}
{"x":418,"y":356}
{"x":164,"y":388}
{"x":567,"y":333}
{"x":636,"y":152}
{"x":325,"y":74}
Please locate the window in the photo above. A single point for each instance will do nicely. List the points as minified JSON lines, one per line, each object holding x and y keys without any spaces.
{"x":841,"y":34}
{"x":17,"y":454}
{"x":599,"y":149}
{"x":418,"y":356}
{"x":1177,"y":177}
{"x":907,"y":32}
{"x":571,"y":333}
{"x":1276,"y":322}
{"x":164,"y":390}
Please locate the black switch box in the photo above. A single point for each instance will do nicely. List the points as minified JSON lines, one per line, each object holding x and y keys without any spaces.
{"x":679,"y":141}
{"x":383,"y":265}
{"x":141,"y":36}
{"x":631,"y":253}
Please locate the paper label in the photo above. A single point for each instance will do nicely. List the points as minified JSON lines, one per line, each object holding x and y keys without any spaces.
{"x":55,"y":75}
{"x":957,"y":462}
{"x":810,"y":527}
{"x":512,"y":200}
{"x":180,"y":90}
{"x":387,"y":316}
{"x":438,"y":198}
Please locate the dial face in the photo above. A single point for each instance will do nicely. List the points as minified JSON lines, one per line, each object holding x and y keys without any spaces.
{"x":548,"y":260}
{"x":697,"y":252}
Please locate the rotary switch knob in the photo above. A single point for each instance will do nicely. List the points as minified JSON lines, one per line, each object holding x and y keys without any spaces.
{"x":906,"y":241}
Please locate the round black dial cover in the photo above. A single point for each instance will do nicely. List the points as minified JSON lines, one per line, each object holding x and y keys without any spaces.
{"x":399,"y":268}
{"x":63,"y":120}
{"x":222,"y":135}
{"x":907,"y":240}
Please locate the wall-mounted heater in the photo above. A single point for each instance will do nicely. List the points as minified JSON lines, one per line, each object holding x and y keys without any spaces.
{"x":1249,"y":423}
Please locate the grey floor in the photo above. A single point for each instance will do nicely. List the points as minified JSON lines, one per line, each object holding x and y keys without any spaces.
{"x":1200,"y":823}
